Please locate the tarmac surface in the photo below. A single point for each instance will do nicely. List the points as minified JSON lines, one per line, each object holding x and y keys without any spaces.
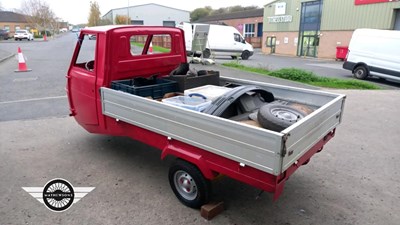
{"x":354,"y":180}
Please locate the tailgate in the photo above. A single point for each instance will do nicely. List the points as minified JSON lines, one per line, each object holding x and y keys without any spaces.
{"x":307,"y":132}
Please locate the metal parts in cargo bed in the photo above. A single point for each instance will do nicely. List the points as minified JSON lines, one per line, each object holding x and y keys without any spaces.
{"x":252,"y":102}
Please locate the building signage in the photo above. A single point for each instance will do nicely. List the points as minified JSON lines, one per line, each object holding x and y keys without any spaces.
{"x":364,"y":2}
{"x":280,"y":19}
{"x":280,"y":8}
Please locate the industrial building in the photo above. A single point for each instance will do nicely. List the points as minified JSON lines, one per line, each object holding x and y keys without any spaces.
{"x":150,"y":15}
{"x":315,"y":28}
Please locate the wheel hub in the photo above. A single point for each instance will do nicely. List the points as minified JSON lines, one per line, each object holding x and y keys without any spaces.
{"x":185,"y":185}
{"x":284,"y":114}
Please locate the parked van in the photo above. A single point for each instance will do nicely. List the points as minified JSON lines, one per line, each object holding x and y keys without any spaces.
{"x":374,"y":52}
{"x":222,"y":41}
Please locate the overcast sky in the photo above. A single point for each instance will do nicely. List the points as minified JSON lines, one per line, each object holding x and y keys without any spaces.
{"x":77,"y":11}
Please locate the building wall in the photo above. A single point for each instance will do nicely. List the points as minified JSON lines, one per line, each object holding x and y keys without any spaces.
{"x":13,"y":25}
{"x":336,"y":15}
{"x":339,"y":19}
{"x":239,"y":23}
{"x":328,"y":42}
{"x":152,"y":15}
{"x":332,"y":39}
{"x":344,"y":15}
{"x":289,"y":48}
{"x":293,"y":8}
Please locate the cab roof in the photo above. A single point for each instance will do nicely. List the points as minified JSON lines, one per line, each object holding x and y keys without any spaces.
{"x":107,"y":28}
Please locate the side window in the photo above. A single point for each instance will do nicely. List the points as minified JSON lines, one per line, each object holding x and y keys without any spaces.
{"x":137,"y":44}
{"x":159,"y":44}
{"x":87,"y":52}
{"x":238,"y":38}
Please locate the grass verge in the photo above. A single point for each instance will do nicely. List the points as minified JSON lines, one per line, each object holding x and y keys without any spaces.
{"x":155,"y":47}
{"x":307,"y":77}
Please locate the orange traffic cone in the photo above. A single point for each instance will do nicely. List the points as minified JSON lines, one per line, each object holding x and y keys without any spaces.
{"x":21,"y":62}
{"x":151,"y":48}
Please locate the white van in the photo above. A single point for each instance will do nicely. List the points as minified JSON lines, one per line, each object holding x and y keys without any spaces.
{"x":374,"y":52}
{"x":222,"y":41}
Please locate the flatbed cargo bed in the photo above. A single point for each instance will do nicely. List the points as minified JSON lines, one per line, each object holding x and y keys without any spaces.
{"x":268,"y":151}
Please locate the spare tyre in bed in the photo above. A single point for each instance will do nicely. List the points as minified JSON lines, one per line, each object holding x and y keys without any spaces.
{"x":278,"y":117}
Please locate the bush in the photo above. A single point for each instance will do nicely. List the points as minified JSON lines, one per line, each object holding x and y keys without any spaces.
{"x":48,"y":34}
{"x":38,"y":36}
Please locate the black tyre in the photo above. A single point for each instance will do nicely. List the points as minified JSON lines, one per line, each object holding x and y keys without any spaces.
{"x":206,"y":53}
{"x":361,"y":72}
{"x":245,"y":55}
{"x":189,"y":184}
{"x":278,"y":117}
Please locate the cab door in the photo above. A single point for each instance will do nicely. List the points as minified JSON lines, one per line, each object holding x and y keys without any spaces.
{"x":81,"y":84}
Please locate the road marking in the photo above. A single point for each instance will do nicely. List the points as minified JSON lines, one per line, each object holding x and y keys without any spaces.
{"x":34,"y":99}
{"x":25,"y":79}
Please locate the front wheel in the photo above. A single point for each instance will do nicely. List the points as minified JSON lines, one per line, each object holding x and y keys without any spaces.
{"x":245,"y":55}
{"x":360,"y":72}
{"x":189,"y":184}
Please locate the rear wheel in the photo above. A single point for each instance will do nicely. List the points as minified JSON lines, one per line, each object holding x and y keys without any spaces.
{"x":189,"y":184}
{"x":360,"y":72}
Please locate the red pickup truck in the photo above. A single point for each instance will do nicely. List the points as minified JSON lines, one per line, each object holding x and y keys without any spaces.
{"x":117,"y":85}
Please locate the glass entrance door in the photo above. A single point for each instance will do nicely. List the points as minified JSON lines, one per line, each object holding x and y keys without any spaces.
{"x":309,"y":45}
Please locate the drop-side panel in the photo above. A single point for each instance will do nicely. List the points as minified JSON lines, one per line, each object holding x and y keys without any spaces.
{"x":307,"y":132}
{"x":304,"y":134}
{"x":255,"y":147}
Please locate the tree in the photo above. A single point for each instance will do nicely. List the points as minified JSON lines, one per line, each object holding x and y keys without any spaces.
{"x":200,"y":13}
{"x":38,"y":13}
{"x":105,"y":22}
{"x":206,"y":11}
{"x":122,"y":19}
{"x":94,"y":14}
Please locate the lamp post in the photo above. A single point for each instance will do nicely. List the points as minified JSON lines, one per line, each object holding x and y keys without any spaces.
{"x":127,"y":17}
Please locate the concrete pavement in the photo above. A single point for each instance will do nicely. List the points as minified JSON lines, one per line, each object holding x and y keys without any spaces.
{"x":354,"y":180}
{"x":4,"y":55}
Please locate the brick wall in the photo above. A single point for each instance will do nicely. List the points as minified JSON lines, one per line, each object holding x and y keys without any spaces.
{"x":289,"y":48}
{"x":12,"y":26}
{"x":329,"y":40}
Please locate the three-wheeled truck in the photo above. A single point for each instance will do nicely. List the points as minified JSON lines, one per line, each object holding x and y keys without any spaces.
{"x":117,"y":85}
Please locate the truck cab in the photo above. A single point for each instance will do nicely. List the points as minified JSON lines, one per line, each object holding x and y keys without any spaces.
{"x":119,"y":52}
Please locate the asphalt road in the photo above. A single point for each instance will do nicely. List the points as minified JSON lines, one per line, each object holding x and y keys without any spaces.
{"x":354,"y":180}
{"x":41,"y":92}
